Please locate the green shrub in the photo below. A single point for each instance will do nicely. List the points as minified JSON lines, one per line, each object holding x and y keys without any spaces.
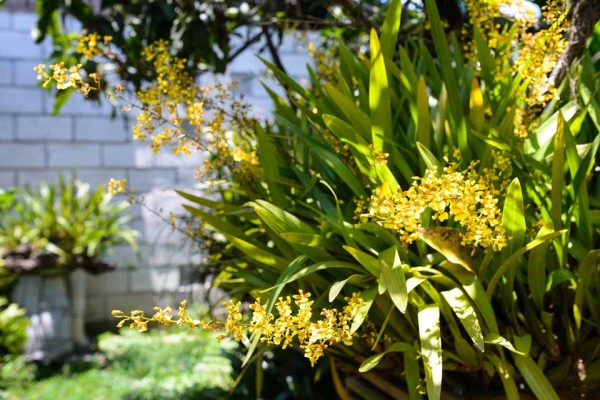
{"x":455,"y":192}
{"x":13,"y":335}
{"x":331,"y":206}
{"x":67,"y":220}
{"x":132,"y":366}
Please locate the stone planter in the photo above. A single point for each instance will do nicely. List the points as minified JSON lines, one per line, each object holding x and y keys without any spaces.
{"x":45,"y":298}
{"x":55,"y":304}
{"x":55,"y":300}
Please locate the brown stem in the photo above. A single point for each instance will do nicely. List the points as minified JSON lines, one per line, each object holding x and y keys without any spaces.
{"x":585,"y":14}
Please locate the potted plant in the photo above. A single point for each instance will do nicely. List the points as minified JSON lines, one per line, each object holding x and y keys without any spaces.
{"x":50,"y":237}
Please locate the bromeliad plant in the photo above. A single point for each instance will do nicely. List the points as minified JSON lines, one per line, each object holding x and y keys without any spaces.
{"x":63,"y":226}
{"x":455,"y":192}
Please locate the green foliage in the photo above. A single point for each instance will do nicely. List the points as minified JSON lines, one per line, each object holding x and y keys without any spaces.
{"x":153,"y":366}
{"x":66,"y":219}
{"x":13,"y":323}
{"x":481,"y":320}
{"x":13,"y":335}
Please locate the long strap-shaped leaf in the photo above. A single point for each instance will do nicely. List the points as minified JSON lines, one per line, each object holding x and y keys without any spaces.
{"x":431,"y":348}
{"x":379,"y":97}
{"x":393,"y":278}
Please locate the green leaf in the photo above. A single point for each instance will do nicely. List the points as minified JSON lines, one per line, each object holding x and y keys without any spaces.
{"x":323,"y":266}
{"x":536,"y":269}
{"x":379,"y":98}
{"x":373,"y":361}
{"x":279,"y":220}
{"x":510,"y":387}
{"x":545,"y":132}
{"x":558,"y":162}
{"x":445,"y":64}
{"x":423,"y":116}
{"x":431,"y":348}
{"x":367,"y":296}
{"x":311,"y":240}
{"x":514,"y":257}
{"x":494,"y":338}
{"x":476,"y":108}
{"x":215,"y":205}
{"x":390,"y":28}
{"x":268,"y":159}
{"x":256,"y":253}
{"x":535,"y":378}
{"x":432,"y":162}
{"x":370,"y":263}
{"x":393,"y":277}
{"x":466,"y":314}
{"x":62,"y":97}
{"x":337,"y":287}
{"x":513,"y":216}
{"x":358,"y":119}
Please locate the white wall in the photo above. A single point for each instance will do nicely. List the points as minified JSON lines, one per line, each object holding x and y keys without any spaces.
{"x":35,"y":146}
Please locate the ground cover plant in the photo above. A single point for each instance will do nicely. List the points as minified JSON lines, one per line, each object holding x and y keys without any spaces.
{"x":160,"y":365}
{"x":442,"y":196}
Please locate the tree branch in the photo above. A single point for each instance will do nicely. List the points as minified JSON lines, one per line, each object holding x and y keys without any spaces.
{"x":585,"y":15}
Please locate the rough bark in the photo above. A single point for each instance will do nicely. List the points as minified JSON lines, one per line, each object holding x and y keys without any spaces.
{"x":584,"y":14}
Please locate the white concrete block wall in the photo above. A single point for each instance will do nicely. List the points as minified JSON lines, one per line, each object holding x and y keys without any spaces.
{"x":35,"y":146}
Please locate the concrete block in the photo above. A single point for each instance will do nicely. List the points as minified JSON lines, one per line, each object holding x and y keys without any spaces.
{"x":32,"y":128}
{"x":261,"y":107}
{"x":131,"y":155}
{"x":24,"y":21}
{"x":245,"y":82}
{"x":7,"y":179}
{"x":164,"y":202}
{"x":21,"y":100}
{"x":166,"y":158}
{"x":36,"y":176}
{"x":101,"y":129}
{"x":95,"y":309}
{"x":18,"y":45}
{"x":79,"y":105}
{"x":258,"y":91}
{"x":23,"y":72}
{"x":124,"y":256}
{"x":4,"y":19}
{"x":248,"y":62}
{"x":183,"y":252}
{"x":288,"y":44}
{"x":6,"y":128}
{"x":100,"y":176}
{"x":155,"y":279}
{"x":187,"y":179}
{"x":108,"y":283}
{"x":5,"y":72}
{"x":73,"y":155}
{"x":154,"y":179}
{"x":295,"y":64}
{"x":157,"y":231}
{"x":13,"y":155}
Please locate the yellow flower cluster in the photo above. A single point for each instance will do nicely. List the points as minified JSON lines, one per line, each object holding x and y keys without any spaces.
{"x":537,"y":50}
{"x":540,"y":52}
{"x":467,"y":197}
{"x":292,"y":322}
{"x":89,"y":44}
{"x":64,"y":77}
{"x":116,"y":186}
{"x":160,"y":103}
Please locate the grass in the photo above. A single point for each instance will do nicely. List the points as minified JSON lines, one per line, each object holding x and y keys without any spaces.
{"x":175,"y":365}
